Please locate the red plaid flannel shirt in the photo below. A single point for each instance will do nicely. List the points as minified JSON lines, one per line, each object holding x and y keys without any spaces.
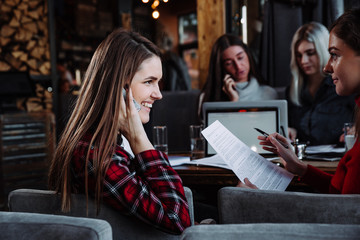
{"x":145,"y":186}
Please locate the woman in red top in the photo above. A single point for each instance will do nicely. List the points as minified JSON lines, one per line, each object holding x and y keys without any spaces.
{"x":344,"y":67}
{"x":91,"y":157}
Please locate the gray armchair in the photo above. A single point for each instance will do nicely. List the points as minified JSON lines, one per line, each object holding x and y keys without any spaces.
{"x":239,"y":205}
{"x":123,"y":227}
{"x":33,"y":226}
{"x":278,"y":231}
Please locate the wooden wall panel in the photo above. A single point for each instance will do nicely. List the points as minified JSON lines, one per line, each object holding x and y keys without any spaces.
{"x":211,"y":25}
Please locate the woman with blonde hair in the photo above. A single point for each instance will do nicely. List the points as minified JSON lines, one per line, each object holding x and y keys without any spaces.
{"x":92,"y":157}
{"x":344,"y":69}
{"x":316,"y":113}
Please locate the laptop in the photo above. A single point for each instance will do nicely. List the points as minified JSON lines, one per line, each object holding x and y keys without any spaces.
{"x":242,"y":117}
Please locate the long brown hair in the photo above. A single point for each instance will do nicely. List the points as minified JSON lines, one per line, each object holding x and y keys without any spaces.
{"x":347,"y":28}
{"x":213,"y":87}
{"x":113,"y":65}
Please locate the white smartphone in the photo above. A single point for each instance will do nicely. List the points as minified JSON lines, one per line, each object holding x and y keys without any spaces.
{"x":137,"y":106}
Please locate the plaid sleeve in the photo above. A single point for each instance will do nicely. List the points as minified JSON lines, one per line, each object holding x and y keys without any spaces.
{"x":149,"y":188}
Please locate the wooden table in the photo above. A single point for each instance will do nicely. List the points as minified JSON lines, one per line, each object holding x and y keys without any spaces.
{"x":197,"y":175}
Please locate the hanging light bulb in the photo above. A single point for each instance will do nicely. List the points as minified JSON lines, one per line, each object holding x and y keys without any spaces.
{"x":145,"y":1}
{"x":156,"y":14}
{"x":155,"y":4}
{"x":165,"y":1}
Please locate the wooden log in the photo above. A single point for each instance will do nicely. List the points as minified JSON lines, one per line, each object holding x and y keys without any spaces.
{"x":4,"y":66}
{"x":33,"y":3}
{"x":33,"y":14}
{"x":28,"y":35}
{"x":14,"y":23}
{"x":17,"y":54}
{"x":32,"y":104}
{"x":17,"y":14}
{"x":23,"y":68}
{"x":42,"y":42}
{"x":32,"y":63}
{"x":31,"y":26}
{"x":20,"y":35}
{"x":47,"y":53}
{"x":23,"y":35}
{"x":40,"y":10}
{"x":16,"y":47}
{"x":31,"y":44}
{"x":23,"y":6}
{"x":44,"y":69}
{"x":42,"y":25}
{"x":11,"y":3}
{"x":5,"y":8}
{"x":37,"y":52}
{"x":4,"y":41}
{"x":7,"y":31}
{"x":34,"y":72}
{"x":15,"y":63}
{"x":24,"y":57}
{"x":25,"y":19}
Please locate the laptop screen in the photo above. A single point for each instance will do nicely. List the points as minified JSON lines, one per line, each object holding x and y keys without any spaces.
{"x":241,"y":121}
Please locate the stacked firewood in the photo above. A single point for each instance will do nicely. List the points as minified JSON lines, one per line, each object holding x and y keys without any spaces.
{"x":24,"y":36}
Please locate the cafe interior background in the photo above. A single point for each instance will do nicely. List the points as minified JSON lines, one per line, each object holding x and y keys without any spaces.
{"x":51,"y":42}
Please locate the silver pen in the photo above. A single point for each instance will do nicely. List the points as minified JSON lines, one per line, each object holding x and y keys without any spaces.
{"x":266,"y":135}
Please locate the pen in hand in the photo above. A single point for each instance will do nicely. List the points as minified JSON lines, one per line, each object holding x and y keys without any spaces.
{"x":266,"y":135}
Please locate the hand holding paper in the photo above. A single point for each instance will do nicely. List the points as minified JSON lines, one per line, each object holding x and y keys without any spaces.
{"x":244,"y":162}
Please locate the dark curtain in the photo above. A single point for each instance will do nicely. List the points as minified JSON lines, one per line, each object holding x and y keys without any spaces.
{"x":281,"y":20}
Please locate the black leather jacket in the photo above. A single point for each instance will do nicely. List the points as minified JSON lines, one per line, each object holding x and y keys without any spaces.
{"x":320,"y":120}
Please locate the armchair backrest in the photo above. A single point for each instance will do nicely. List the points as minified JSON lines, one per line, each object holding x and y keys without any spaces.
{"x":123,"y":227}
{"x":34,"y":226}
{"x":279,"y":231}
{"x":239,"y":205}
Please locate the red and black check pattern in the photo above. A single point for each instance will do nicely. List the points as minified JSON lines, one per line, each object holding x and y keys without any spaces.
{"x":145,"y":186}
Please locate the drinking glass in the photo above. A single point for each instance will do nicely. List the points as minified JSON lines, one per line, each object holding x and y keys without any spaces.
{"x":197,"y":142}
{"x":349,"y":135}
{"x":160,"y":138}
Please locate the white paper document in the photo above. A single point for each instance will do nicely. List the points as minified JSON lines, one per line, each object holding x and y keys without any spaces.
{"x":244,"y":162}
{"x":178,"y":160}
{"x":324,"y":149}
{"x":214,"y":161}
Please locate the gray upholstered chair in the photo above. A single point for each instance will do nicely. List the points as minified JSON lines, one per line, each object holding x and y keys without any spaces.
{"x":123,"y":227}
{"x":239,"y":205}
{"x":34,"y":226}
{"x":278,"y":231}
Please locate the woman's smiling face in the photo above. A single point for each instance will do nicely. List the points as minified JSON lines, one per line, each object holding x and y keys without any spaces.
{"x":344,"y":66}
{"x":145,"y":86}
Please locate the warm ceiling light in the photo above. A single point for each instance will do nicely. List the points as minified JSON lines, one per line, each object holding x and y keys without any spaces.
{"x":156,"y":14}
{"x":155,"y":4}
{"x":145,"y":1}
{"x":165,"y":1}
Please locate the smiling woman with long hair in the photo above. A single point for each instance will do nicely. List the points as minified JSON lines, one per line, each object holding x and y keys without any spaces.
{"x":91,"y":157}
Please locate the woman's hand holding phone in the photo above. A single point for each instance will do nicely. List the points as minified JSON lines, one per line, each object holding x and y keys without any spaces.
{"x":230,"y":88}
{"x":131,"y":126}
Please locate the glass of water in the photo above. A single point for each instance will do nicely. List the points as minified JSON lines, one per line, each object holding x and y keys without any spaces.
{"x":160,"y":138}
{"x":349,"y":135}
{"x":197,"y":142}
